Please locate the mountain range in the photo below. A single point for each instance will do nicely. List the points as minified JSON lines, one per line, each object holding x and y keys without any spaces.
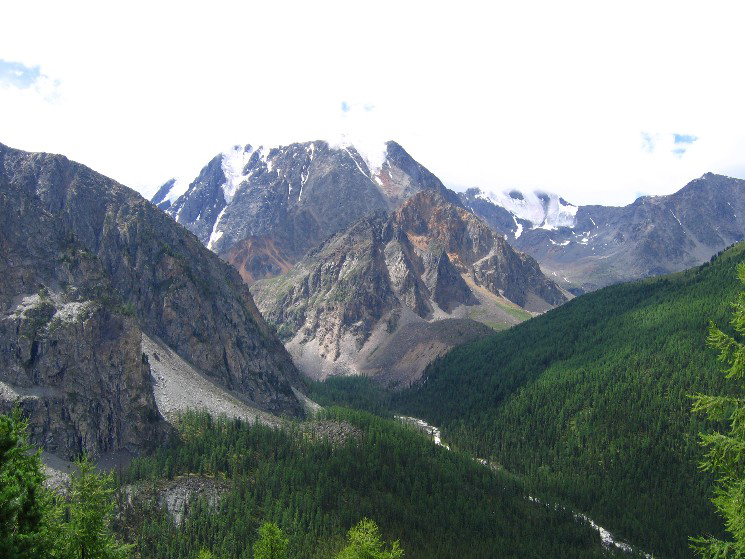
{"x":379,"y":268}
{"x":262,"y":209}
{"x":369,"y":280}
{"x":588,"y":247}
{"x":115,"y":317}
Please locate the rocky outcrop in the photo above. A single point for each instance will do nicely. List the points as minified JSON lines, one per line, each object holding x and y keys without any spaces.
{"x":430,"y":260}
{"x":517,"y":276}
{"x":593,"y":246}
{"x":77,"y":370}
{"x":431,"y":223}
{"x":87,"y":267}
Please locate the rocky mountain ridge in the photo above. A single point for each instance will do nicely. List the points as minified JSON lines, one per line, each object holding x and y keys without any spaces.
{"x":407,"y":285}
{"x":262,"y":209}
{"x":88,"y":266}
{"x":588,"y":247}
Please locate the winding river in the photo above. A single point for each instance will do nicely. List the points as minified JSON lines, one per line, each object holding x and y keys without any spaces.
{"x":605,"y":536}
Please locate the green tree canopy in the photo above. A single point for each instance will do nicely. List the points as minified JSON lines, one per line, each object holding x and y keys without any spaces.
{"x":36,"y":522}
{"x":364,"y":542}
{"x":88,"y":534}
{"x":24,"y":504}
{"x":272,"y":543}
{"x":725,"y":455}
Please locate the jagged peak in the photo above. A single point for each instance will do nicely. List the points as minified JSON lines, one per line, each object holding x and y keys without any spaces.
{"x":708,"y":176}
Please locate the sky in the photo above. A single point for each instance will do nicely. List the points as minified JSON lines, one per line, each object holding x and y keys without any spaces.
{"x":599,"y":102}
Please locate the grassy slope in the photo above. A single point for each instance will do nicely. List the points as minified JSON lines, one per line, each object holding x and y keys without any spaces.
{"x":589,"y":402}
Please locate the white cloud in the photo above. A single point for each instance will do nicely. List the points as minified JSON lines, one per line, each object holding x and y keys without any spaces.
{"x":533,"y":95}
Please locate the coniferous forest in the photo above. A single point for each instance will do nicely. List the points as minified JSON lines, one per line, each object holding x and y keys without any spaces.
{"x":435,"y":502}
{"x":590,"y":404}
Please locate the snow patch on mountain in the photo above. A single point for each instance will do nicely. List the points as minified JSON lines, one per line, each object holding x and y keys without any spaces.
{"x":216,"y":235}
{"x":519,"y":227}
{"x":542,"y":210}
{"x":178,"y":188}
{"x":373,"y":152}
{"x":233,"y":162}
{"x":354,"y":160}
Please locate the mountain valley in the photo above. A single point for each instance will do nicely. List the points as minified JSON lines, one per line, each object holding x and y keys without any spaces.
{"x":369,"y":280}
{"x":118,"y":323}
{"x":590,"y":402}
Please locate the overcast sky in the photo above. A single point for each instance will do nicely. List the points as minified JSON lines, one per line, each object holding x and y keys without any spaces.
{"x":597,"y":101}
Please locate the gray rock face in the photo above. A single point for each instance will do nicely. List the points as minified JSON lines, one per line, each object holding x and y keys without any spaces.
{"x":204,"y":204}
{"x":262,"y":210}
{"x":82,"y":380}
{"x":654,"y":235}
{"x":429,"y":260}
{"x":177,"y":495}
{"x":87,"y":266}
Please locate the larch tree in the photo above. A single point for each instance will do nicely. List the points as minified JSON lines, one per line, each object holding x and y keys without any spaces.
{"x":725,"y":454}
{"x":272,"y":543}
{"x":364,"y":542}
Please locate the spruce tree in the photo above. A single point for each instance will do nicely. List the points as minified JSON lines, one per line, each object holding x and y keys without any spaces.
{"x":88,"y":534}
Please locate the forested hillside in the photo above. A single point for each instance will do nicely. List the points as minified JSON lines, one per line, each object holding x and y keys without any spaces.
{"x":590,"y":404}
{"x":315,"y":487}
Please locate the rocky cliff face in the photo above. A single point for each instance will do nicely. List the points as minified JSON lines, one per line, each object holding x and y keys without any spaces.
{"x":588,"y":247}
{"x":87,"y":267}
{"x":430,"y":222}
{"x":263,"y":209}
{"x":391,"y":277}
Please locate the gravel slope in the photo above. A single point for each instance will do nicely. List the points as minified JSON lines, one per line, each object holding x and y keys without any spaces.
{"x":178,"y":386}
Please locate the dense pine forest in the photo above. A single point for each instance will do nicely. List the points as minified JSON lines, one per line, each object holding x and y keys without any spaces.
{"x":356,"y":392}
{"x":590,"y":403}
{"x":315,"y":487}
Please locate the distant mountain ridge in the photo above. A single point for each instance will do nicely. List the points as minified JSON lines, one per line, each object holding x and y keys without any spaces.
{"x":592,"y":246}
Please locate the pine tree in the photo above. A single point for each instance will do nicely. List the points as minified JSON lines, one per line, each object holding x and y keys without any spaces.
{"x":725,"y":456}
